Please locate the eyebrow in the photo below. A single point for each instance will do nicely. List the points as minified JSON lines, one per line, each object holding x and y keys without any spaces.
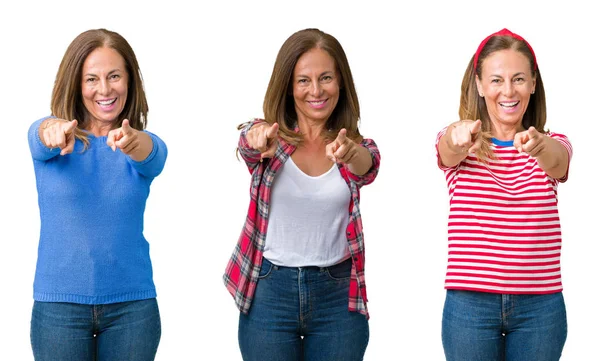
{"x":500,"y":76}
{"x":109,"y":73}
{"x":323,"y":73}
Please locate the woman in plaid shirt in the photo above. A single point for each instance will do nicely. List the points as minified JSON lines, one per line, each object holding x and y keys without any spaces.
{"x":300,"y":285}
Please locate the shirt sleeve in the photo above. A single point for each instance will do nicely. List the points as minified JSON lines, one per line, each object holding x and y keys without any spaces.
{"x":371,"y":174}
{"x":38,"y":150}
{"x":562,"y":139}
{"x":437,"y":151}
{"x":154,"y":163}
{"x":249,"y":155}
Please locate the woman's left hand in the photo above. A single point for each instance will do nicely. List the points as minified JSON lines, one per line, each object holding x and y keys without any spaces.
{"x":134,"y":143}
{"x":125,"y":138}
{"x":342,"y":149}
{"x":530,"y":141}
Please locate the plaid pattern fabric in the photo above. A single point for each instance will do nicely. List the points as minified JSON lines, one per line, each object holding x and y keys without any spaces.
{"x":243,"y":268}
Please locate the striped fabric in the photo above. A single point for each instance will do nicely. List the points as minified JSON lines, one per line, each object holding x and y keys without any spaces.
{"x":503,"y":230}
{"x":243,"y":268}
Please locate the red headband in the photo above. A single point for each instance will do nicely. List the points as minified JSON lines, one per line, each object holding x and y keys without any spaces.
{"x":503,"y":32}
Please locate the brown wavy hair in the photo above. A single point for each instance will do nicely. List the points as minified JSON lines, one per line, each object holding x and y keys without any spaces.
{"x":67,"y":101}
{"x":473,"y":107}
{"x":278,"y":106}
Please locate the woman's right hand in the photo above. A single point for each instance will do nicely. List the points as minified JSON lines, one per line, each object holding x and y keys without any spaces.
{"x":58,"y":133}
{"x":464,"y":136}
{"x":263,"y":137}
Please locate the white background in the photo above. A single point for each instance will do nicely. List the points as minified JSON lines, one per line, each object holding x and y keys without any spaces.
{"x":206,"y":68}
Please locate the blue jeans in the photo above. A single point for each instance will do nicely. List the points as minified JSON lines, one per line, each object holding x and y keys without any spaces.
{"x":128,"y":331}
{"x":302,"y":314}
{"x":497,"y":327}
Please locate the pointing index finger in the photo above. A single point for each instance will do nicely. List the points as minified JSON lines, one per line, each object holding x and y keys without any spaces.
{"x":532,"y":132}
{"x":272,"y":131}
{"x":127,"y":129}
{"x":70,"y":127}
{"x":475,"y":127}
{"x":342,"y":135}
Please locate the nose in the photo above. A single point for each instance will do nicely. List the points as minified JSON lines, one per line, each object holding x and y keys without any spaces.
{"x":104,"y":87}
{"x":508,"y":89}
{"x":316,"y":88}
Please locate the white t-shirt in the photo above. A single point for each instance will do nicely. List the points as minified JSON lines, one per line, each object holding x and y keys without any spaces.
{"x":308,"y":217}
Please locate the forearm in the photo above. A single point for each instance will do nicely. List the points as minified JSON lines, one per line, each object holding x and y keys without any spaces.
{"x":362,"y":162}
{"x":154,"y":162}
{"x":144,"y":148}
{"x":553,"y":158}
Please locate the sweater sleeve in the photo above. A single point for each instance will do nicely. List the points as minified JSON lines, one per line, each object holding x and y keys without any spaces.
{"x":38,"y":150}
{"x":153,"y":165}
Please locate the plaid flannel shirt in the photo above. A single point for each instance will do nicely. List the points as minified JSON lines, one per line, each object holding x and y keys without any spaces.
{"x":242,"y":271}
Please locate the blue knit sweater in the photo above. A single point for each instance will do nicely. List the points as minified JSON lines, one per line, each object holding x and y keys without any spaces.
{"x":92,"y":249}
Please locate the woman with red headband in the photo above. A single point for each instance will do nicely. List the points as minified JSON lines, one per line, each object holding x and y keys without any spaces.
{"x":504,"y":293}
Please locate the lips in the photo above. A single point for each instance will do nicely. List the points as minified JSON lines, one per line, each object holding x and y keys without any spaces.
{"x":107,"y":102}
{"x":509,"y":105}
{"x":317,"y":104}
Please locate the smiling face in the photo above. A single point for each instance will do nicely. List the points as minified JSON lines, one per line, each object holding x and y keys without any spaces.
{"x":506,"y":84}
{"x":104,"y":86}
{"x":316,"y":87}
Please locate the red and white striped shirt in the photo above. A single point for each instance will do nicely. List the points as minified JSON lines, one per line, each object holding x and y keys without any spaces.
{"x":503,"y":230}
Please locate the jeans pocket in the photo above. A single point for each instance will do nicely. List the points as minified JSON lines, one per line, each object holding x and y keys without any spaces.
{"x":340,"y":271}
{"x":265,"y":269}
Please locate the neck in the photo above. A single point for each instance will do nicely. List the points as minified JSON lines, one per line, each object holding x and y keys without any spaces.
{"x":99,"y":129}
{"x":311,"y":129}
{"x":505,"y":131}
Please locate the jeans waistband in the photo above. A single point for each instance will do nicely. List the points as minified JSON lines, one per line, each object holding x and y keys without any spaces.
{"x":315,"y":268}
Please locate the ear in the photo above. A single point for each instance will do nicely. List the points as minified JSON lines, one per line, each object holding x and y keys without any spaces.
{"x":533,"y":82}
{"x":479,"y":86}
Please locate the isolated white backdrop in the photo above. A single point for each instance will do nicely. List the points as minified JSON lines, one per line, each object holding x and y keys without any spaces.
{"x":206,"y":68}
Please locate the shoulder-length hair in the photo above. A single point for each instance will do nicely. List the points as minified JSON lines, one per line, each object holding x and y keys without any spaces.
{"x":473,"y":107}
{"x":67,"y":101}
{"x":278,"y":106}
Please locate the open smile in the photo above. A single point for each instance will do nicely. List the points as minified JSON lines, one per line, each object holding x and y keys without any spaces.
{"x":317,"y":104}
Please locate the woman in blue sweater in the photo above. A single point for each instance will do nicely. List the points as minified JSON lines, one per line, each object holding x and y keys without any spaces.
{"x":94,"y":163}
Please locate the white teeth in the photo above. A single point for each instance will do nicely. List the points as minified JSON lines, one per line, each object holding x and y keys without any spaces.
{"x":106,"y":102}
{"x":318,"y":103}
{"x":512,"y":104}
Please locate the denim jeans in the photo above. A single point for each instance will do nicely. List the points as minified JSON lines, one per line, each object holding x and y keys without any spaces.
{"x":481,"y":326}
{"x":302,"y":314}
{"x":127,"y":331}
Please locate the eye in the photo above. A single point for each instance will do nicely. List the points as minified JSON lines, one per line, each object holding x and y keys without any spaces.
{"x":303,"y":81}
{"x":495,"y":81}
{"x":519,"y":80}
{"x":90,"y":80}
{"x":327,"y":78}
{"x":115,"y":76}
